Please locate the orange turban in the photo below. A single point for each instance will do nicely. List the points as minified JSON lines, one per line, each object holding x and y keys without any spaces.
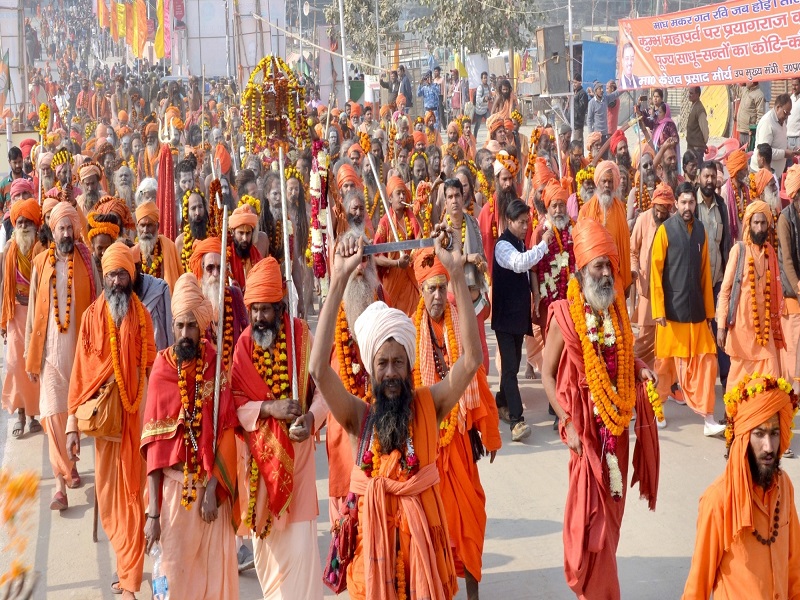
{"x":355,"y":109}
{"x":590,"y":241}
{"x":122,"y":116}
{"x":542,"y":173}
{"x":264,"y":282}
{"x":508,"y":124}
{"x":552,"y":192}
{"x":663,"y":195}
{"x":319,"y":129}
{"x":604,"y":167}
{"x":210,"y":245}
{"x":757,"y":206}
{"x":222,"y":155}
{"x":618,"y":136}
{"x":49,"y":204}
{"x":356,"y":146}
{"x":420,"y":138}
{"x":401,"y":99}
{"x":763,"y":177}
{"x":737,"y":160}
{"x":335,"y":112}
{"x":347,"y":173}
{"x":123,"y":131}
{"x":792,"y":181}
{"x":101,"y":131}
{"x":396,"y":183}
{"x":147,"y":209}
{"x":118,"y":256}
{"x":65,"y":210}
{"x":385,"y":111}
{"x":26,"y":208}
{"x":89,"y":170}
{"x":118,"y":206}
{"x":188,"y":299}
{"x":244,"y":216}
{"x":427,"y":265}
{"x":150,"y":128}
{"x":753,"y":409}
{"x":495,"y":124}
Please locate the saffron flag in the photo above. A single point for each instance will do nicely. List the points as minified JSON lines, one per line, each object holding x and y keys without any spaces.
{"x":121,"y":20}
{"x":130,"y":29}
{"x":114,"y":21}
{"x":5,"y":81}
{"x":163,"y":43}
{"x":141,"y":27}
{"x":102,"y":14}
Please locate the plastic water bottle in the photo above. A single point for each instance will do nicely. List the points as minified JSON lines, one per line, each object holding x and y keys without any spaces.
{"x":160,"y":586}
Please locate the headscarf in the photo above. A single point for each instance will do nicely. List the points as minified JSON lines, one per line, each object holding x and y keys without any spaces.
{"x":753,"y":409}
{"x":591,"y":240}
{"x":553,"y":191}
{"x":147,"y":209}
{"x":428,"y":265}
{"x":379,"y":323}
{"x":503,"y":160}
{"x":454,"y":126}
{"x":26,"y":145}
{"x":347,"y":173}
{"x":188,"y":298}
{"x":604,"y":167}
{"x":737,"y":160}
{"x":618,"y":136}
{"x":118,"y":206}
{"x":792,"y":181}
{"x":385,"y":111}
{"x":395,"y":183}
{"x":210,"y":245}
{"x":355,"y":109}
{"x":756,"y":206}
{"x":21,"y":185}
{"x":663,"y":195}
{"x":122,"y":117}
{"x":45,"y":160}
{"x":118,"y":256}
{"x":244,"y":216}
{"x":355,"y":146}
{"x":65,"y":210}
{"x":26,"y":208}
{"x":87,"y":171}
{"x":420,"y":138}
{"x":763,"y":177}
{"x":222,"y":155}
{"x":149,"y":129}
{"x":264,"y":282}
{"x":593,"y":138}
{"x":542,"y":173}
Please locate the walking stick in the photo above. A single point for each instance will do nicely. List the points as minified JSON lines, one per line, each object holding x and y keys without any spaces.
{"x":287,"y":265}
{"x":94,"y":527}
{"x":221,"y":318}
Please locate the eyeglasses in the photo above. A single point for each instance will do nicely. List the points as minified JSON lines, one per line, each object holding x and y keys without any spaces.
{"x":210,"y":269}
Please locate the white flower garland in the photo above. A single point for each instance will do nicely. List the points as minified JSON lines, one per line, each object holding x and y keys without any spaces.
{"x":614,"y":475}
{"x":559,"y":262}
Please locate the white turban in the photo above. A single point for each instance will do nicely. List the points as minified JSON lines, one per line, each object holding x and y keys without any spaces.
{"x":379,"y":323}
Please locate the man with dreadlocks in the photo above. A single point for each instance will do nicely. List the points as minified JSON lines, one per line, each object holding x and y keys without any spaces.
{"x":644,"y":186}
{"x":195,"y":224}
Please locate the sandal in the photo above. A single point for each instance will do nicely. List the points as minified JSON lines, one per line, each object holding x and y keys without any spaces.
{"x":19,"y":427}
{"x":59,"y":502}
{"x":76,"y":479}
{"x":35,"y":426}
{"x":115,"y":589}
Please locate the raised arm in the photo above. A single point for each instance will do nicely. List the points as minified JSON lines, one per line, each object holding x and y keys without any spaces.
{"x":448,"y":391}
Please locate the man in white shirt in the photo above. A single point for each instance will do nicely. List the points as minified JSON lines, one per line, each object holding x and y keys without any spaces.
{"x":772,"y":130}
{"x":793,"y":123}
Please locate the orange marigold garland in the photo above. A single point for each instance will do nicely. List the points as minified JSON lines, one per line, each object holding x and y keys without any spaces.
{"x":154,"y":265}
{"x":130,"y":407}
{"x":762,"y":332}
{"x":227,"y":331}
{"x":62,"y":327}
{"x":742,"y":392}
{"x":424,"y":206}
{"x":353,"y":374}
{"x":192,"y":414}
{"x":753,"y":188}
{"x":643,"y":201}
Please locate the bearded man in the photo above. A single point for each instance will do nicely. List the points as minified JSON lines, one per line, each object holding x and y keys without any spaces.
{"x":114,"y":354}
{"x":748,"y":312}
{"x":471,"y":428}
{"x":90,"y":175}
{"x":607,"y":210}
{"x":395,"y":440}
{"x":767,"y":190}
{"x":584,"y":181}
{"x":102,"y":232}
{"x":62,"y":164}
{"x":640,"y":198}
{"x":155,"y":296}
{"x":666,"y":163}
{"x":618,"y":144}
{"x":747,"y":523}
{"x":185,"y":175}
{"x":737,"y":189}
{"x":282,"y":514}
{"x":152,"y":151}
{"x":45,"y":167}
{"x":492,"y":220}
{"x":594,"y":420}
{"x":190,"y":512}
{"x":20,"y":395}
{"x":244,"y":255}
{"x":106,"y":157}
{"x":348,"y":182}
{"x":123,"y":186}
{"x":789,"y":257}
{"x":159,"y":256}
{"x":419,"y":171}
{"x":644,"y":232}
{"x":195,"y":225}
{"x":51,"y":335}
{"x":146,"y":192}
{"x":572,"y":163}
{"x":395,"y":271}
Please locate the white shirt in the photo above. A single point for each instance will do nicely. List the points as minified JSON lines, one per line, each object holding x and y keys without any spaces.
{"x":512,"y":259}
{"x":793,"y":122}
{"x":769,"y":131}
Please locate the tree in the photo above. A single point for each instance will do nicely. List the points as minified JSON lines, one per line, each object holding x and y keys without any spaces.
{"x":359,"y":25}
{"x":478,"y":25}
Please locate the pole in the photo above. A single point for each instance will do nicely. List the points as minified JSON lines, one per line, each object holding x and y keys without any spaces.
{"x":377,"y":37}
{"x":227,"y":42}
{"x":383,"y":196}
{"x":287,"y":264}
{"x":221,"y":319}
{"x":300,"y":33}
{"x":571,"y":67}
{"x":344,"y":53}
{"x":203,"y":109}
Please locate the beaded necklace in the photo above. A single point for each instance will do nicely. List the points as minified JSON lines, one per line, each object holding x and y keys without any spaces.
{"x":192,"y":414}
{"x":762,"y":333}
{"x":62,"y":327}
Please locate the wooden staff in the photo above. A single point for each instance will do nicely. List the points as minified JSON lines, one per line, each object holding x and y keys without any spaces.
{"x":383,"y":196}
{"x":287,"y":267}
{"x":221,"y":318}
{"x":203,"y":109}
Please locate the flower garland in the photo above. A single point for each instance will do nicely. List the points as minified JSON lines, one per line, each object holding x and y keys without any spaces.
{"x":51,"y":256}
{"x":156,"y":262}
{"x":655,"y":401}
{"x":372,"y":457}
{"x":188,"y":240}
{"x":743,"y":392}
{"x":352,"y":372}
{"x":192,"y":413}
{"x":392,"y":136}
{"x":607,"y":359}
{"x":252,"y":201}
{"x":762,"y":333}
{"x":555,"y":274}
{"x":463,"y":230}
{"x":643,"y":201}
{"x":424,"y":206}
{"x":400,"y":571}
{"x":44,"y":120}
{"x":741,"y":201}
{"x":319,"y":213}
{"x":530,"y":168}
{"x":130,"y":408}
{"x":272,"y":365}
{"x":227,"y":331}
{"x":250,"y":519}
{"x":587,"y":173}
{"x":753,"y":188}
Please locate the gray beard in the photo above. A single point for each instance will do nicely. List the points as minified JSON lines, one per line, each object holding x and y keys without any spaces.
{"x":405,"y":172}
{"x":560,"y":221}
{"x":211,"y":291}
{"x":359,"y":294}
{"x":263,"y":337}
{"x":118,"y":304}
{"x":152,"y":149}
{"x":606,"y":198}
{"x":25,"y":239}
{"x":585,"y":194}
{"x":773,"y":199}
{"x":127,"y":193}
{"x":48,"y":183}
{"x":90,"y":200}
{"x":599,"y":294}
{"x":147,"y":244}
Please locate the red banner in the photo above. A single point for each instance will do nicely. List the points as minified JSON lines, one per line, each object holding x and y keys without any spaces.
{"x":725,"y":43}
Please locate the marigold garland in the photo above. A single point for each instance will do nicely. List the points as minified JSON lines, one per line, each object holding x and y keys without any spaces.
{"x":272,"y":365}
{"x":557,"y":267}
{"x":424,"y":206}
{"x":44,"y":120}
{"x":227,"y":331}
{"x":252,"y":201}
{"x":762,"y":333}
{"x":743,"y":391}
{"x":655,"y":401}
{"x":463,"y":229}
{"x":400,"y":572}
{"x":129,"y":407}
{"x":643,"y":200}
{"x":62,"y":327}
{"x":188,"y":240}
{"x":753,"y":187}
{"x":192,"y":414}
{"x":154,"y":266}
{"x":353,"y":374}
{"x":101,"y":227}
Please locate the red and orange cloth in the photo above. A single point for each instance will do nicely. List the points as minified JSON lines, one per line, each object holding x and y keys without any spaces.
{"x":553,"y":191}
{"x":737,"y":160}
{"x":590,"y":241}
{"x":762,"y":179}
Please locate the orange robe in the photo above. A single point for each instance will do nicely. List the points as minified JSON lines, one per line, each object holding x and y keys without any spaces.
{"x":616,"y":222}
{"x":644,"y":232}
{"x":592,"y":518}
{"x":118,"y":464}
{"x":491,"y":226}
{"x":460,"y":485}
{"x":411,"y":510}
{"x":199,"y":558}
{"x":747,"y":569}
{"x":171,"y":267}
{"x":400,"y":284}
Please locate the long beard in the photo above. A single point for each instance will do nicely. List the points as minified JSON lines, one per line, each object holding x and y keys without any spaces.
{"x":152,"y":149}
{"x":147,"y":244}
{"x":243,"y":249}
{"x":127,"y":193}
{"x":211,"y":292}
{"x":90,"y":199}
{"x":265,"y":334}
{"x":599,"y":293}
{"x":624,"y":161}
{"x":606,"y":198}
{"x":198,"y":228}
{"x":762,"y":476}
{"x":671,"y":177}
{"x":772,"y":198}
{"x":186,"y":350}
{"x":25,"y":239}
{"x":48,"y":182}
{"x":392,"y":415}
{"x":66,"y":246}
{"x":369,"y":179}
{"x":359,"y":294}
{"x":560,"y":221}
{"x":585,"y":194}
{"x":405,"y":172}
{"x":118,"y":300}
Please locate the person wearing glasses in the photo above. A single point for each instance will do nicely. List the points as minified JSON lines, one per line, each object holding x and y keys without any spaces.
{"x":771,"y":130}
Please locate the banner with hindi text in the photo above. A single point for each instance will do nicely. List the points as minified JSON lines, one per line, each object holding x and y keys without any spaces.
{"x":725,"y":43}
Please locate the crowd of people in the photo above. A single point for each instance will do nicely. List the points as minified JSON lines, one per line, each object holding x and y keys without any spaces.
{"x":117,"y":288}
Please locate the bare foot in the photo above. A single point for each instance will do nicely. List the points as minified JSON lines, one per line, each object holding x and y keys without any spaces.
{"x":530,"y":373}
{"x":126,"y":595}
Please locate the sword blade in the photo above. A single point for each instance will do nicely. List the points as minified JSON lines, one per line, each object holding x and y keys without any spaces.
{"x":398,"y":246}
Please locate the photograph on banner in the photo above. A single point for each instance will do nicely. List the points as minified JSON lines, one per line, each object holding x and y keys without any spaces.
{"x":725,"y":43}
